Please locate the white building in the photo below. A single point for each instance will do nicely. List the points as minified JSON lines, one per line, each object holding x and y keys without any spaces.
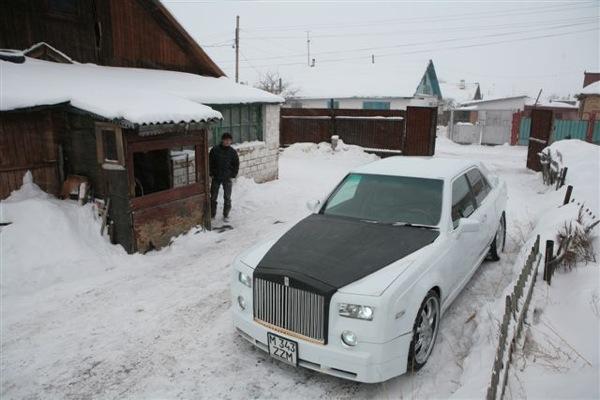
{"x":490,"y":120}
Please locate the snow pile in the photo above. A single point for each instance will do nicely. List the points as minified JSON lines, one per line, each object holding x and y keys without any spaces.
{"x":140,"y":96}
{"x":561,"y":353}
{"x":583,"y":162}
{"x":29,"y":190}
{"x":48,"y":240}
{"x":324,"y":150}
{"x":83,"y":319}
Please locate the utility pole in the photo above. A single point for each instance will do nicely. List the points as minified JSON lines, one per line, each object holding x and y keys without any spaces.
{"x":308,"y":48}
{"x":237,"y":49}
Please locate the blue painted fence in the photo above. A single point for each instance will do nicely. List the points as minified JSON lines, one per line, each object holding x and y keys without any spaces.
{"x":562,"y":129}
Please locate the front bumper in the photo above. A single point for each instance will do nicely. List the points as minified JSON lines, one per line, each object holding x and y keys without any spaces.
{"x":366,"y":362}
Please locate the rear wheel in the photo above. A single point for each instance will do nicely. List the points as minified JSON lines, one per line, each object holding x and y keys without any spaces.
{"x":425,"y":331}
{"x":497,"y":245}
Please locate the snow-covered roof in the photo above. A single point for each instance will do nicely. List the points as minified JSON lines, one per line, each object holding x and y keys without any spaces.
{"x":551,"y":103}
{"x":501,"y":103}
{"x":423,"y":167}
{"x":364,"y":80}
{"x":592,"y":88}
{"x":139,"y":96}
{"x":459,"y":92}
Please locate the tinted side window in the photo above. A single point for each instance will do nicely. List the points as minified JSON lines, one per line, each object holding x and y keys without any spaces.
{"x":462,"y":200}
{"x":480,"y":186}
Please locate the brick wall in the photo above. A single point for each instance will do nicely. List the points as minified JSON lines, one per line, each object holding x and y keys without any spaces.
{"x":260,"y":160}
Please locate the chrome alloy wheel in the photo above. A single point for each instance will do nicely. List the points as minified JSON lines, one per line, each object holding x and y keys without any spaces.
{"x":427,"y":328}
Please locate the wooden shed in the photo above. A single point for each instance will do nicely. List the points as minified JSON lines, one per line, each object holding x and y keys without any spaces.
{"x":153,"y":179}
{"x":132,"y":119}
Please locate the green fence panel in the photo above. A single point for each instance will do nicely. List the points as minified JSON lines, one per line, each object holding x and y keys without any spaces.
{"x":524,"y":128}
{"x":569,"y":129}
{"x":596,"y":135}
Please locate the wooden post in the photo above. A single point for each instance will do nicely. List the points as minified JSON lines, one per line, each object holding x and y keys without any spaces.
{"x":547,"y":261}
{"x":589,"y":137}
{"x":568,"y":195}
{"x":237,"y":49}
{"x":564,"y":176}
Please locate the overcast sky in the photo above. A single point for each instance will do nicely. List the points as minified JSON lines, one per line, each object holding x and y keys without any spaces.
{"x":510,"y":48}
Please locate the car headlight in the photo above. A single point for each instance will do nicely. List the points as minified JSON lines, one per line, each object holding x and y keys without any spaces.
{"x":245,"y":279}
{"x":356,"y":311}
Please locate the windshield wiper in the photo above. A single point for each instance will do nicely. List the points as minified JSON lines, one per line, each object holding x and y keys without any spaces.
{"x":415,"y":225}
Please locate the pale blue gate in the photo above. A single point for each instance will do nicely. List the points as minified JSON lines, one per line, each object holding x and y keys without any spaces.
{"x":562,"y":129}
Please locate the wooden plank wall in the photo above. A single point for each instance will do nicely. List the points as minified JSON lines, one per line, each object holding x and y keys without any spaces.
{"x":359,"y":127}
{"x":159,"y":216}
{"x":421,"y":123}
{"x":28,"y":142}
{"x":79,"y":147}
{"x":139,"y":41}
{"x":121,"y":33}
{"x":24,"y":23}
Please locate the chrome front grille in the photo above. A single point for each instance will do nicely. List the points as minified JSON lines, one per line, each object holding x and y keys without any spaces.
{"x":290,"y":310}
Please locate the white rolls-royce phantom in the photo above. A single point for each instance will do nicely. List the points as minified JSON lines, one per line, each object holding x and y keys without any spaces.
{"x":357,"y":288}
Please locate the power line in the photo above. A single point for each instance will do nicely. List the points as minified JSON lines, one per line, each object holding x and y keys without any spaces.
{"x":421,"y":31}
{"x":483,"y":14}
{"x":449,"y":40}
{"x":439,"y":49}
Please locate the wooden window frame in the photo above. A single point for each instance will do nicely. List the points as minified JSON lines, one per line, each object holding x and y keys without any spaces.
{"x":100,"y":153}
{"x":172,"y":194}
{"x":255,"y":122}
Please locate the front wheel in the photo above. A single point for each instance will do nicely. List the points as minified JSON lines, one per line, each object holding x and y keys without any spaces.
{"x":497,"y":245}
{"x":425,"y":331}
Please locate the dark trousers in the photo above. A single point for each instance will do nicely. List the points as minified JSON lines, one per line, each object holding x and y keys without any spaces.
{"x":214,"y":194}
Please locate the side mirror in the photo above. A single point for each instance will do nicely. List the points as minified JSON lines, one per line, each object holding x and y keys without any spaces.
{"x":469,"y":225}
{"x":313,"y":205}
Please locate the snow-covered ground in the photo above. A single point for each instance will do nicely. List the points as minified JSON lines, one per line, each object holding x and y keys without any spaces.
{"x":81,"y":318}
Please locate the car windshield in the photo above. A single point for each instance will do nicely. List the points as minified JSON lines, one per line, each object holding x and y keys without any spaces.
{"x":387,"y":199}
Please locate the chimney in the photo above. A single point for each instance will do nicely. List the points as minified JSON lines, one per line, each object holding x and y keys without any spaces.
{"x":461,"y":84}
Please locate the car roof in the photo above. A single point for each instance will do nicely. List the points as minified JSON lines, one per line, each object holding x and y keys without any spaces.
{"x":418,"y":167}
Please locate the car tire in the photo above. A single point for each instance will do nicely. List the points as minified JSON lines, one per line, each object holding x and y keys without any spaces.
{"x":497,"y":245}
{"x":424,"y":332}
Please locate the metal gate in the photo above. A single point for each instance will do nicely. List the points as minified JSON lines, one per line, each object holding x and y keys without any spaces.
{"x":539,"y":136}
{"x":411,"y":132}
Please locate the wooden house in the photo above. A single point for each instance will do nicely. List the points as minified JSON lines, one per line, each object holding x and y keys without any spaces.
{"x":140,"y":137}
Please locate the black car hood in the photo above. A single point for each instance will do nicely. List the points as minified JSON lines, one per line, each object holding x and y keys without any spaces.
{"x":327,"y":252}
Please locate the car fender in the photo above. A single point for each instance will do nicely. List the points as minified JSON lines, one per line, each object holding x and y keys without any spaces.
{"x":405,"y":297}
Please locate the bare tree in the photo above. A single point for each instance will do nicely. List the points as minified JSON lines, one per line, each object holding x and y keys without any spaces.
{"x":272,"y":82}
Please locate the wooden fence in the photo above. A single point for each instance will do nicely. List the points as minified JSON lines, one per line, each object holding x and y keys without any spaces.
{"x":516,"y":306}
{"x":552,"y":173}
{"x":377,"y":130}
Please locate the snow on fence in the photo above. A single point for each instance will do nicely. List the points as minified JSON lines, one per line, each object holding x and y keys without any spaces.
{"x":552,"y":172}
{"x":512,"y":322}
{"x":551,"y":261}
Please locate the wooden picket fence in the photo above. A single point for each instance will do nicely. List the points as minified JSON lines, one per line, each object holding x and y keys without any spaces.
{"x":517,"y":304}
{"x":552,"y":173}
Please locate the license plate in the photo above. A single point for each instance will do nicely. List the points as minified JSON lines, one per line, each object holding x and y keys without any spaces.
{"x":283,"y":349}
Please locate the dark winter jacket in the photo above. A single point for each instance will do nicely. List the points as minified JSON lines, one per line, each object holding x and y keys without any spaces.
{"x":223,"y":162}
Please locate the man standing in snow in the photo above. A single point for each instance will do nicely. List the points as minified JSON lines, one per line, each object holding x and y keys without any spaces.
{"x":223,"y":167}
